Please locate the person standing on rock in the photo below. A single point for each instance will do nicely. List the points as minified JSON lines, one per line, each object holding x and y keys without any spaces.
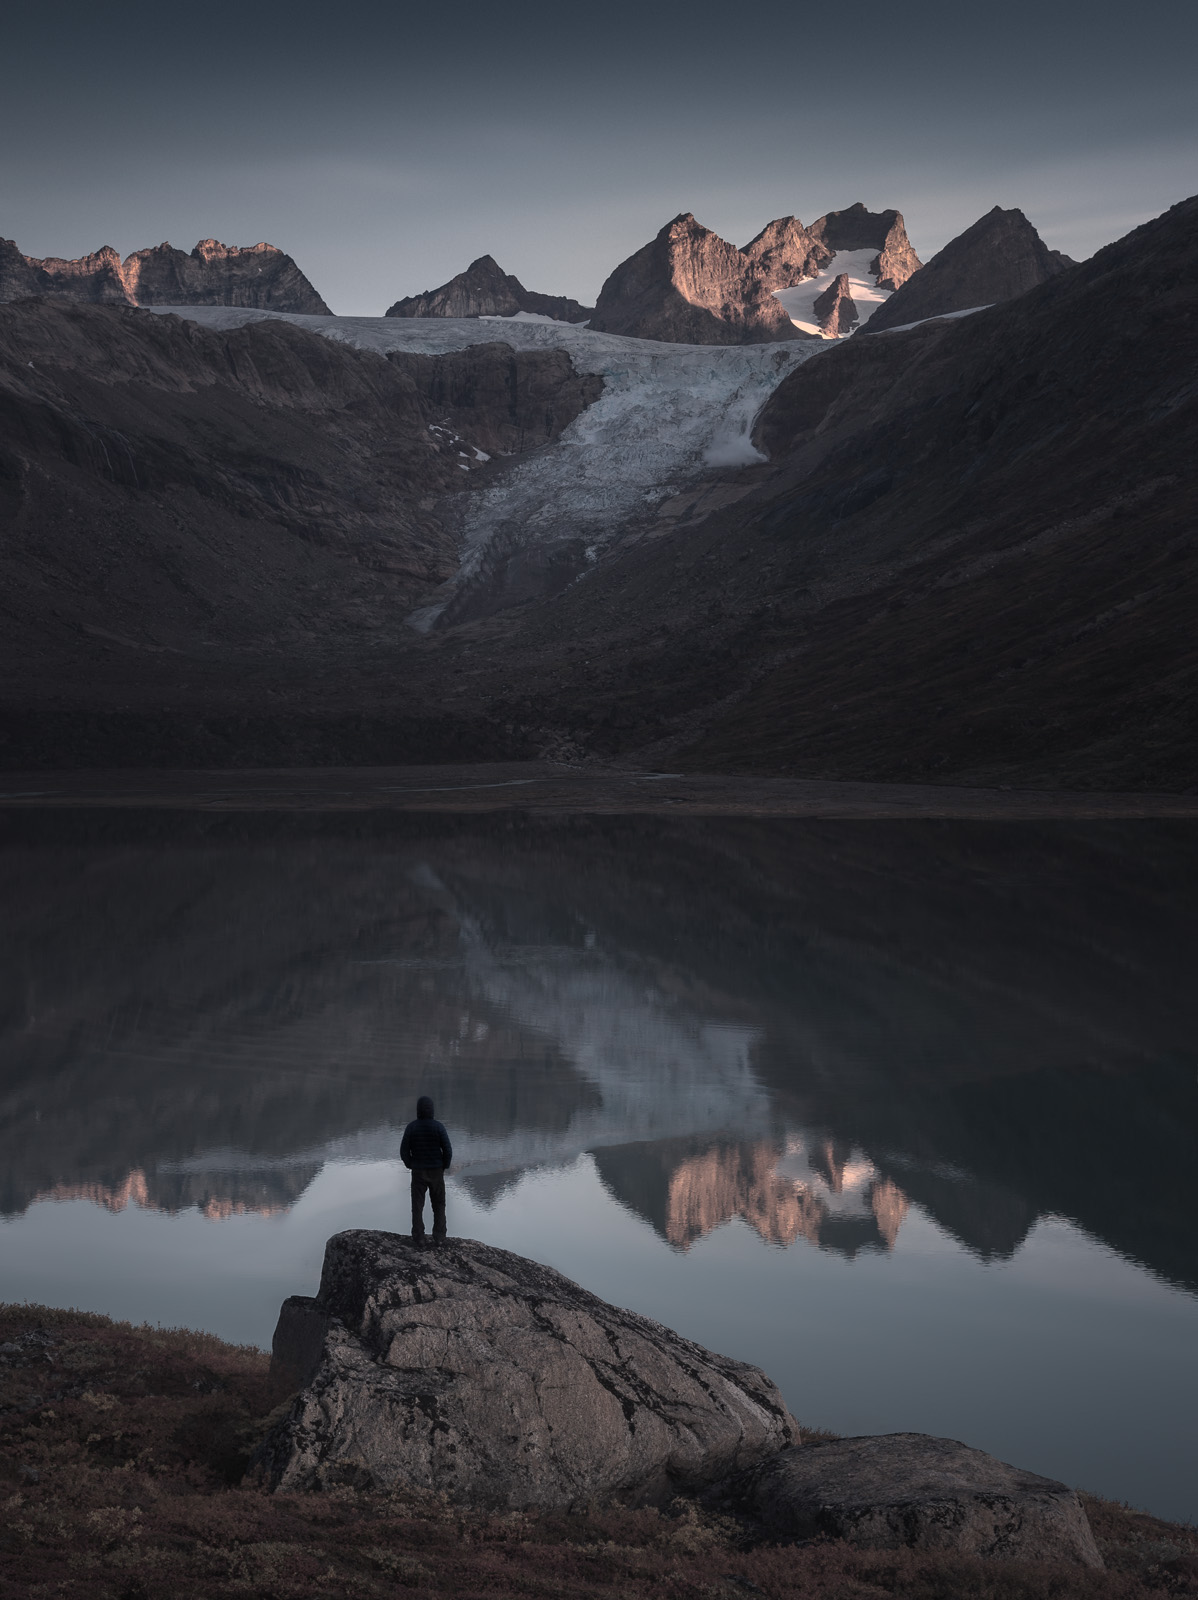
{"x":426,"y":1151}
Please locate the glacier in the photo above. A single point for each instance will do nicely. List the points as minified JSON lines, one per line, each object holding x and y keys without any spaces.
{"x":799,"y":302}
{"x":669,"y":417}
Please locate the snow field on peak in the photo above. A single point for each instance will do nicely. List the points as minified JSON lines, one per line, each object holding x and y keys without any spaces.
{"x":668,"y":415}
{"x":799,"y":302}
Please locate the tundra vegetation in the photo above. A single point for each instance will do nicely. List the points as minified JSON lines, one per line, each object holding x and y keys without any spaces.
{"x":126,"y":1473}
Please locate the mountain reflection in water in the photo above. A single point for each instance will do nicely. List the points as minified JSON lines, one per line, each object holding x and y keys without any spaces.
{"x":807,"y":1025}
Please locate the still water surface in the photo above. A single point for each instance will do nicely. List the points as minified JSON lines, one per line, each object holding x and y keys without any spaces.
{"x":903,"y":1112}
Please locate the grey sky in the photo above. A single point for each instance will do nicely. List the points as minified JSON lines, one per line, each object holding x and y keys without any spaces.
{"x":386,"y":146}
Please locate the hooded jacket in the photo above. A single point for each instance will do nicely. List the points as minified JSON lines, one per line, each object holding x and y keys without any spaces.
{"x":425,"y":1142}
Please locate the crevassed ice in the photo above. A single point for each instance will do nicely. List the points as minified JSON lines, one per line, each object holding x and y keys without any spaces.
{"x":668,"y":415}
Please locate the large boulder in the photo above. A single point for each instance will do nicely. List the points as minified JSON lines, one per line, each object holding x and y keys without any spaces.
{"x":474,"y":1372}
{"x":896,"y":1489}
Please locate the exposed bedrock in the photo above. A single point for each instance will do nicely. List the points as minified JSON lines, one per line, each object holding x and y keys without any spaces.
{"x":474,"y":1372}
{"x":689,"y":286}
{"x":896,"y":1489}
{"x":999,"y":257}
{"x":506,"y":401}
{"x":836,"y":308}
{"x":692,"y":287}
{"x":486,"y":290}
{"x":785,"y":252}
{"x":855,"y":228}
{"x":213,"y":274}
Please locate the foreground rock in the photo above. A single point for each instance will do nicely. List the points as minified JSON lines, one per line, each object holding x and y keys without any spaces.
{"x":474,"y":1372}
{"x":999,"y":257}
{"x":213,"y":274}
{"x":486,"y":290}
{"x":928,"y":1494}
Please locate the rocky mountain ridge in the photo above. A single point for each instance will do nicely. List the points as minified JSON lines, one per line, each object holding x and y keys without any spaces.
{"x":858,"y":229}
{"x":485,"y":290}
{"x":856,"y":605}
{"x":213,"y":274}
{"x":999,"y":258}
{"x":690,"y":286}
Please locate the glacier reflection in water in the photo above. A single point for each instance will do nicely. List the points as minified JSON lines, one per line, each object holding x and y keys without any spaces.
{"x":905,"y":1112}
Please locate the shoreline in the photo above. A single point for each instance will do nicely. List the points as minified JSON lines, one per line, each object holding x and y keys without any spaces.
{"x":548,"y":788}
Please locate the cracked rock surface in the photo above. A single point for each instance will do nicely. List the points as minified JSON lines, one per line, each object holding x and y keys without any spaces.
{"x":474,"y":1372}
{"x":889,"y":1490}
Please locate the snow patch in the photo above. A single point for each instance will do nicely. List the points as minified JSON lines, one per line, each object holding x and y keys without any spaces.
{"x":799,"y":302}
{"x":945,"y":316}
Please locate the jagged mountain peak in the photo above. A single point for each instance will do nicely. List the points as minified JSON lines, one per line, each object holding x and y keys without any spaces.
{"x":259,"y":276}
{"x":690,"y":286}
{"x":857,"y":228}
{"x":997,"y":258}
{"x":486,"y":290}
{"x":785,"y":252}
{"x":836,"y":309}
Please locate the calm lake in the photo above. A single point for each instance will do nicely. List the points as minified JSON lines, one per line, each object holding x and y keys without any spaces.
{"x":904,"y":1112}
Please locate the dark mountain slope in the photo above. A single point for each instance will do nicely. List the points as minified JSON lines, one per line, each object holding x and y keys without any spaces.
{"x":485,"y":290}
{"x":972,"y":557}
{"x":1000,"y":257}
{"x":193,"y":523}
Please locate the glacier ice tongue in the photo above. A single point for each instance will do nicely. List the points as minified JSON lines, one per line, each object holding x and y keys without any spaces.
{"x":669,"y":414}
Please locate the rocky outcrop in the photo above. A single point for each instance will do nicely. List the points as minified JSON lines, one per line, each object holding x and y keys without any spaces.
{"x":689,"y":286}
{"x":505,"y":401}
{"x":213,"y":274}
{"x":96,"y":278}
{"x":474,"y":1372}
{"x":855,"y":228}
{"x":835,"y":308}
{"x":999,"y":257}
{"x":785,"y":252}
{"x":910,"y":1489}
{"x":485,"y":290}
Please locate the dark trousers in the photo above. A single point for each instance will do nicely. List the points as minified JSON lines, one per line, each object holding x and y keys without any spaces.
{"x":430,"y":1181}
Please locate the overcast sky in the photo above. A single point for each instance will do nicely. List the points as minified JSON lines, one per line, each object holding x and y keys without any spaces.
{"x":385,"y":146}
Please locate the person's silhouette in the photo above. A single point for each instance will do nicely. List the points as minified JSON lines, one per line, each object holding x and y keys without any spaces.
{"x":426,"y":1151}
